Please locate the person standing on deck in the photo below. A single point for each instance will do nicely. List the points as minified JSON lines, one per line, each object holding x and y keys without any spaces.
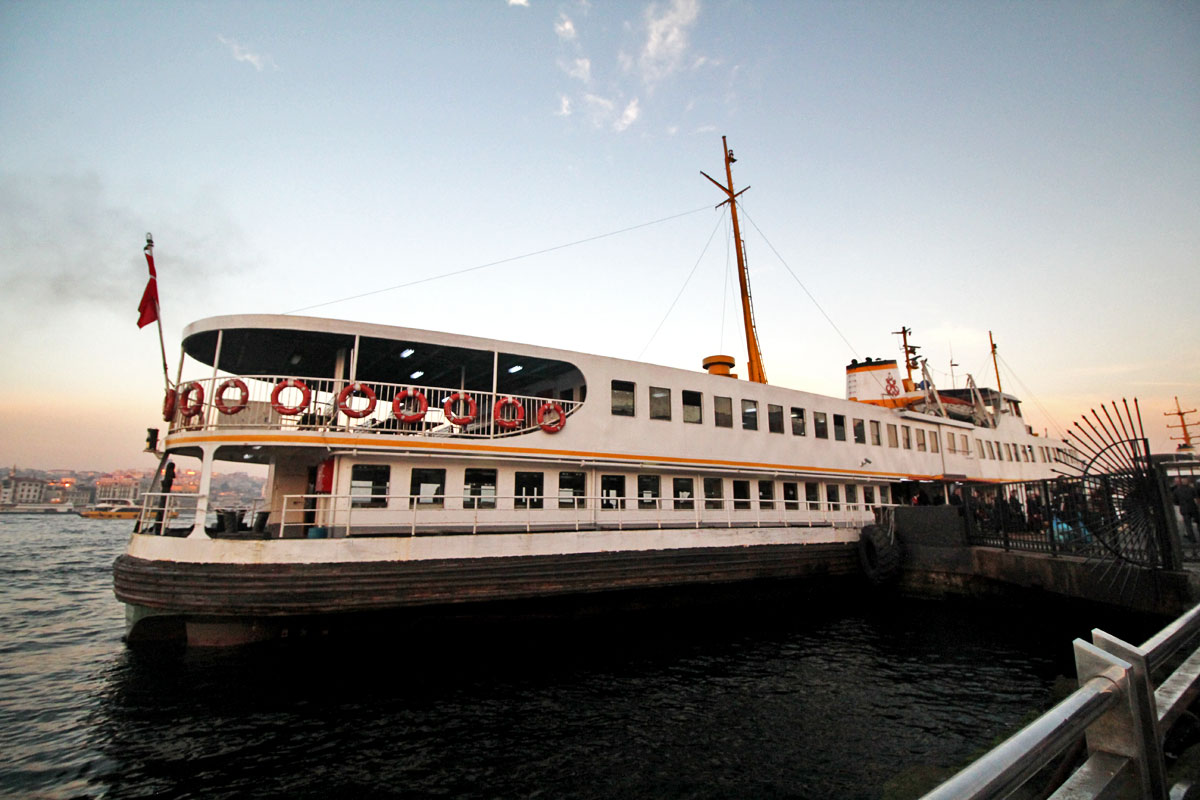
{"x":1184,"y":496}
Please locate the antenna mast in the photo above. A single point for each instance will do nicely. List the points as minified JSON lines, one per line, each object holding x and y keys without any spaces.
{"x":754,"y":363}
{"x":1183,"y":425}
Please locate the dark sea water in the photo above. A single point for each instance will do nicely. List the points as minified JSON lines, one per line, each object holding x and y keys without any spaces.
{"x":817,"y":698}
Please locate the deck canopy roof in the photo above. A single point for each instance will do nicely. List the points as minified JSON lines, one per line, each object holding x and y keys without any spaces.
{"x":302,"y":352}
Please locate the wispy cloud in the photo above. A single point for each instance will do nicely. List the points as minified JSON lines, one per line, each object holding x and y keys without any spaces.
{"x":240,"y":52}
{"x":628,"y":116}
{"x":522,"y":3}
{"x":564,"y":106}
{"x":666,"y":39}
{"x":564,"y":28}
{"x":580,"y":68}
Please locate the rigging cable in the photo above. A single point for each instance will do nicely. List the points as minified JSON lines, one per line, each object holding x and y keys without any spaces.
{"x":496,"y":263}
{"x":681,"y":288}
{"x":1053,"y":422}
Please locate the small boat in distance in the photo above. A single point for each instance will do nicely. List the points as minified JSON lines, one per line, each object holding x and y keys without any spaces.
{"x":112,"y":509}
{"x":414,"y":469}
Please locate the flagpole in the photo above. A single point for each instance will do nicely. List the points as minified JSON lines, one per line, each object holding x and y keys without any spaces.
{"x":149,"y":250}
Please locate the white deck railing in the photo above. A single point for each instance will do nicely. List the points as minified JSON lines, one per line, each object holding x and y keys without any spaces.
{"x":279,"y":402}
{"x":411,"y":514}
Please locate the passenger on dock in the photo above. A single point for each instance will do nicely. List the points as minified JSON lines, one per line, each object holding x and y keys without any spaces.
{"x":1184,"y":496}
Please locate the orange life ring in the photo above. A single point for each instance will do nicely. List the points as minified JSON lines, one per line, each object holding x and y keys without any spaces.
{"x":219,"y":397}
{"x":291,"y":411}
{"x":185,"y":394}
{"x":472,"y":408}
{"x":508,"y":423}
{"x":344,"y":398}
{"x":551,"y":427}
{"x":169,"y":405}
{"x":398,"y":405}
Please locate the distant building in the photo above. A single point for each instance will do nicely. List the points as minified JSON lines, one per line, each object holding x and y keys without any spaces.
{"x":21,"y":490}
{"x":118,"y":489}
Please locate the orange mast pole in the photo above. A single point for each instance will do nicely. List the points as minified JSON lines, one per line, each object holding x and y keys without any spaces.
{"x":1183,"y":425}
{"x":754,"y":355}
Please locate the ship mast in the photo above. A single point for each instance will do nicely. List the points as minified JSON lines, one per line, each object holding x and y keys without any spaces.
{"x":754,"y":364}
{"x":1183,"y":425}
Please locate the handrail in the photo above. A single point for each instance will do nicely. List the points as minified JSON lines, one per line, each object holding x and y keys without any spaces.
{"x":1123,"y":716}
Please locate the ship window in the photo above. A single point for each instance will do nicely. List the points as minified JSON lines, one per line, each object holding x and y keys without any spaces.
{"x":369,"y":485}
{"x":749,"y":415}
{"x":921,"y":439}
{"x":949,"y":442}
{"x":692,"y":410}
{"x":831,"y":494}
{"x":622,"y":398}
{"x":991,"y":451}
{"x":741,"y":495}
{"x":851,"y":495}
{"x":1008,"y":451}
{"x":869,"y":495}
{"x":820,"y":425}
{"x":612,"y":491}
{"x":527,"y":487}
{"x":966,"y":444}
{"x":766,"y":494}
{"x":893,"y":441}
{"x":660,"y":403}
{"x":933,"y":441}
{"x":860,"y":432}
{"x":875,"y":437}
{"x":884,"y":492}
{"x":714,"y":493}
{"x":723,"y":412}
{"x":797,"y":421}
{"x":775,"y":419}
{"x":572,"y":490}
{"x":812,"y":495}
{"x":791,"y":496}
{"x":427,"y":488}
{"x":906,"y":436}
{"x":648,"y":491}
{"x":839,"y":427}
{"x":479,"y":488}
{"x":979,"y":446}
{"x":684,"y":490}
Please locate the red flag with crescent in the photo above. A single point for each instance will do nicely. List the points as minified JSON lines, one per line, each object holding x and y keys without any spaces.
{"x":148,"y":308}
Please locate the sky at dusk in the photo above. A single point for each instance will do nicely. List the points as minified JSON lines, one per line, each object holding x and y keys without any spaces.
{"x":1029,"y":169}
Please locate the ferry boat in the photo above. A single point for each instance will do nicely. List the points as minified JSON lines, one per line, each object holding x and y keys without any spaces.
{"x":416,"y":469}
{"x":112,"y":509}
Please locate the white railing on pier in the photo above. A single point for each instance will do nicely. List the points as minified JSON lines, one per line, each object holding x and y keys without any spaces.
{"x":1118,"y":712}
{"x":281,"y":403}
{"x":406,"y":514}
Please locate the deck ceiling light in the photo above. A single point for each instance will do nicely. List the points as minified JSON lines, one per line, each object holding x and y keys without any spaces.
{"x":416,"y":374}
{"x":515,"y":368}
{"x":407,"y":352}
{"x":295,"y":359}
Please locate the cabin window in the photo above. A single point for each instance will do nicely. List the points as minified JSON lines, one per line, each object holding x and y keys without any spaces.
{"x":527,"y":486}
{"x":851,"y":495}
{"x":369,"y":485}
{"x":572,"y":490}
{"x":933,"y":441}
{"x":741,"y":495}
{"x":921,"y":439}
{"x":893,"y":441}
{"x":692,"y":411}
{"x":1008,"y":451}
{"x":884,"y":494}
{"x":622,"y":398}
{"x":791,"y":496}
{"x":684,"y":489}
{"x":648,"y":486}
{"x":749,"y":415}
{"x":775,"y":419}
{"x":999,"y":456}
{"x":966,"y":444}
{"x":714,"y":493}
{"x":660,"y":403}
{"x":820,"y":425}
{"x":427,"y":489}
{"x":723,"y":412}
{"x":479,"y":488}
{"x":831,"y":494}
{"x":875,"y":437}
{"x":812,"y":496}
{"x":612,"y":491}
{"x":869,"y":495}
{"x":766,"y":494}
{"x":949,"y":442}
{"x":797,"y":421}
{"x":991,"y":451}
{"x":982,"y":452}
{"x":906,"y":437}
{"x":860,"y":432}
{"x":839,"y":427}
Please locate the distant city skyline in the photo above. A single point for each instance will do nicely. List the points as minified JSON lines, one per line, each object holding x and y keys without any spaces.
{"x":1025,"y":169}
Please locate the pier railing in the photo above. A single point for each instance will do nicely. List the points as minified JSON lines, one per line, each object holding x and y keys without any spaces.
{"x":1117,"y":711}
{"x":377,"y":515}
{"x":288,"y":403}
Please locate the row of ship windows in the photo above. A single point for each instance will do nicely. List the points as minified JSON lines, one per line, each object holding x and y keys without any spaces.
{"x":370,"y":488}
{"x":624,"y":404}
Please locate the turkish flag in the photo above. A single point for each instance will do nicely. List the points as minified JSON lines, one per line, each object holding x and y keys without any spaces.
{"x":148,"y":308}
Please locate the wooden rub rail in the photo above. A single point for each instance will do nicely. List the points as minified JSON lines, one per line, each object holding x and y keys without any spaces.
{"x":1123,"y":718}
